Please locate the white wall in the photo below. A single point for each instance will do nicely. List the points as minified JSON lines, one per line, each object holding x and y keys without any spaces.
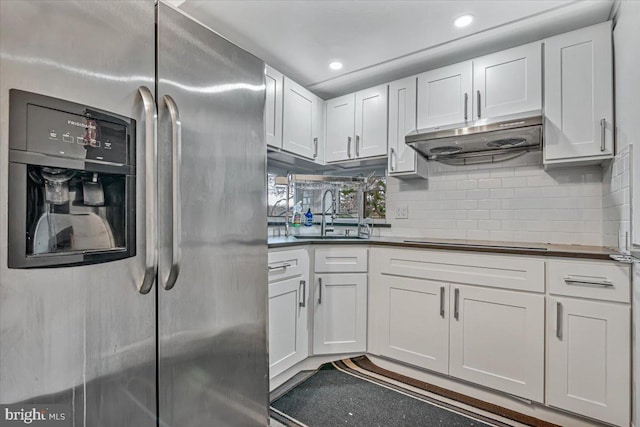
{"x":626,"y":42}
{"x":517,"y":200}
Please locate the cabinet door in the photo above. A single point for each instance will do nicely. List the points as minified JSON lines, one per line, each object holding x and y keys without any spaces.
{"x":589,"y":359}
{"x":371,"y":122}
{"x":288,"y":333}
{"x":402,"y":120}
{"x":340,"y":320}
{"x":273,"y":107}
{"x":497,"y":340}
{"x":340,"y":128}
{"x":579,"y":94}
{"x":508,"y":82}
{"x":414,"y":322}
{"x":318,"y":131}
{"x":298,"y":119}
{"x":444,"y":95}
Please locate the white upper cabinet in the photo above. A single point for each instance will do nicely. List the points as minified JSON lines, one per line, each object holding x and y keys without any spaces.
{"x":340,"y":116}
{"x":318,"y":130}
{"x":371,"y":122}
{"x":579,"y":95}
{"x":403,"y":160}
{"x":273,"y":107}
{"x":508,"y":82}
{"x":445,"y":95}
{"x":357,"y":125}
{"x":298,"y":120}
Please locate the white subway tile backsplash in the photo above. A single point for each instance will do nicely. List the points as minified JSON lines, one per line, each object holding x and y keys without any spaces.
{"x":467,"y":224}
{"x":478,"y":235}
{"x":478,"y":194}
{"x":514,"y":182}
{"x":468,"y":204}
{"x":479,"y":214}
{"x":501,"y":193}
{"x":489,"y":183}
{"x":502,"y":173}
{"x":489,"y":225}
{"x":467,"y":184}
{"x":517,"y":200}
{"x":490,"y":204}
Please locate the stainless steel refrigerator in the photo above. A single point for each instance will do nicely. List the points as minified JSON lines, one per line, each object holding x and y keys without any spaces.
{"x":173,"y":333}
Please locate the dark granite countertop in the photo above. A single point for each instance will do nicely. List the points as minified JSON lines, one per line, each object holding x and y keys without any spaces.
{"x":517,"y":248}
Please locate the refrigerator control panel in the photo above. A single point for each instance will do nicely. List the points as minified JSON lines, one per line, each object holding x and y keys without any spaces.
{"x":51,"y":126}
{"x":58,"y":133}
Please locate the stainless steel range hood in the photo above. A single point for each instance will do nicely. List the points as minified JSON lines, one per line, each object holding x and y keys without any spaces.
{"x":486,"y":140}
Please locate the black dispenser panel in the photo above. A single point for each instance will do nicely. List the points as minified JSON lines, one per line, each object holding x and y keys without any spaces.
{"x":72,"y":182}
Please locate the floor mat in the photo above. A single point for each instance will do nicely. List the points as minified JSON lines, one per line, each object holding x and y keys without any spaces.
{"x":356,"y":392}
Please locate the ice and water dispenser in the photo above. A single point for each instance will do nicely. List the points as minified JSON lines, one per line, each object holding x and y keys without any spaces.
{"x":71,"y":183}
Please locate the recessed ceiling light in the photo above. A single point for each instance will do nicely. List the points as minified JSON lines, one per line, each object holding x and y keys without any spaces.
{"x":335,"y":65}
{"x":463,"y":21}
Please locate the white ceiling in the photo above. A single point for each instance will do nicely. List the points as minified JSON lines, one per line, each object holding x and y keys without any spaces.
{"x":380,"y":40}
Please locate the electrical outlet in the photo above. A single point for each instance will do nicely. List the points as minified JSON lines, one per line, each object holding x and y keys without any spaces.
{"x":402,"y":212}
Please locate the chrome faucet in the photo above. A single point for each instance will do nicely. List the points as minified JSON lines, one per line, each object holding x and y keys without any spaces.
{"x":323,"y":225}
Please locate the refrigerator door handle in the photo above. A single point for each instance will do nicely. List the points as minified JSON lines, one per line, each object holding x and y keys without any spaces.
{"x":176,"y":214}
{"x":151,"y":197}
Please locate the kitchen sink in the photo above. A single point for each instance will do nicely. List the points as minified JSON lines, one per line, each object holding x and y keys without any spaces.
{"x":330,"y":238}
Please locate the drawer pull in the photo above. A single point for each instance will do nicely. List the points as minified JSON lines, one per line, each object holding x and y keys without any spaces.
{"x":559,"y":320}
{"x":278,"y":267}
{"x":456,"y":301}
{"x":319,"y":290}
{"x":303,"y":303}
{"x":573,"y":281}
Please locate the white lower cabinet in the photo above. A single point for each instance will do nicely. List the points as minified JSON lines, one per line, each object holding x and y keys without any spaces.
{"x":497,"y":340}
{"x":589,"y":359}
{"x":414,"y":322}
{"x":288,"y":309}
{"x":424,"y":316}
{"x":340,"y":318}
{"x":480,"y":318}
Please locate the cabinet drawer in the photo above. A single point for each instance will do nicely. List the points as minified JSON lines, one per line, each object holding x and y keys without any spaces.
{"x":605,"y":280}
{"x":341,"y":260}
{"x":286,"y":264}
{"x":496,"y":271}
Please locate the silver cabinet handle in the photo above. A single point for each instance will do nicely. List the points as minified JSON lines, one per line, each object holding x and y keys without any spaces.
{"x":315,"y":148}
{"x":391,"y":153}
{"x":456,"y":299}
{"x":603,"y":126}
{"x":466,"y":103}
{"x":303,"y":303}
{"x":478,"y":104}
{"x":349,"y":146}
{"x":176,"y":206}
{"x":559,"y":320}
{"x":357,"y":145}
{"x":278,"y":267}
{"x":442,"y":301}
{"x":319,"y":290}
{"x":151,"y":197}
{"x":573,"y":281}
